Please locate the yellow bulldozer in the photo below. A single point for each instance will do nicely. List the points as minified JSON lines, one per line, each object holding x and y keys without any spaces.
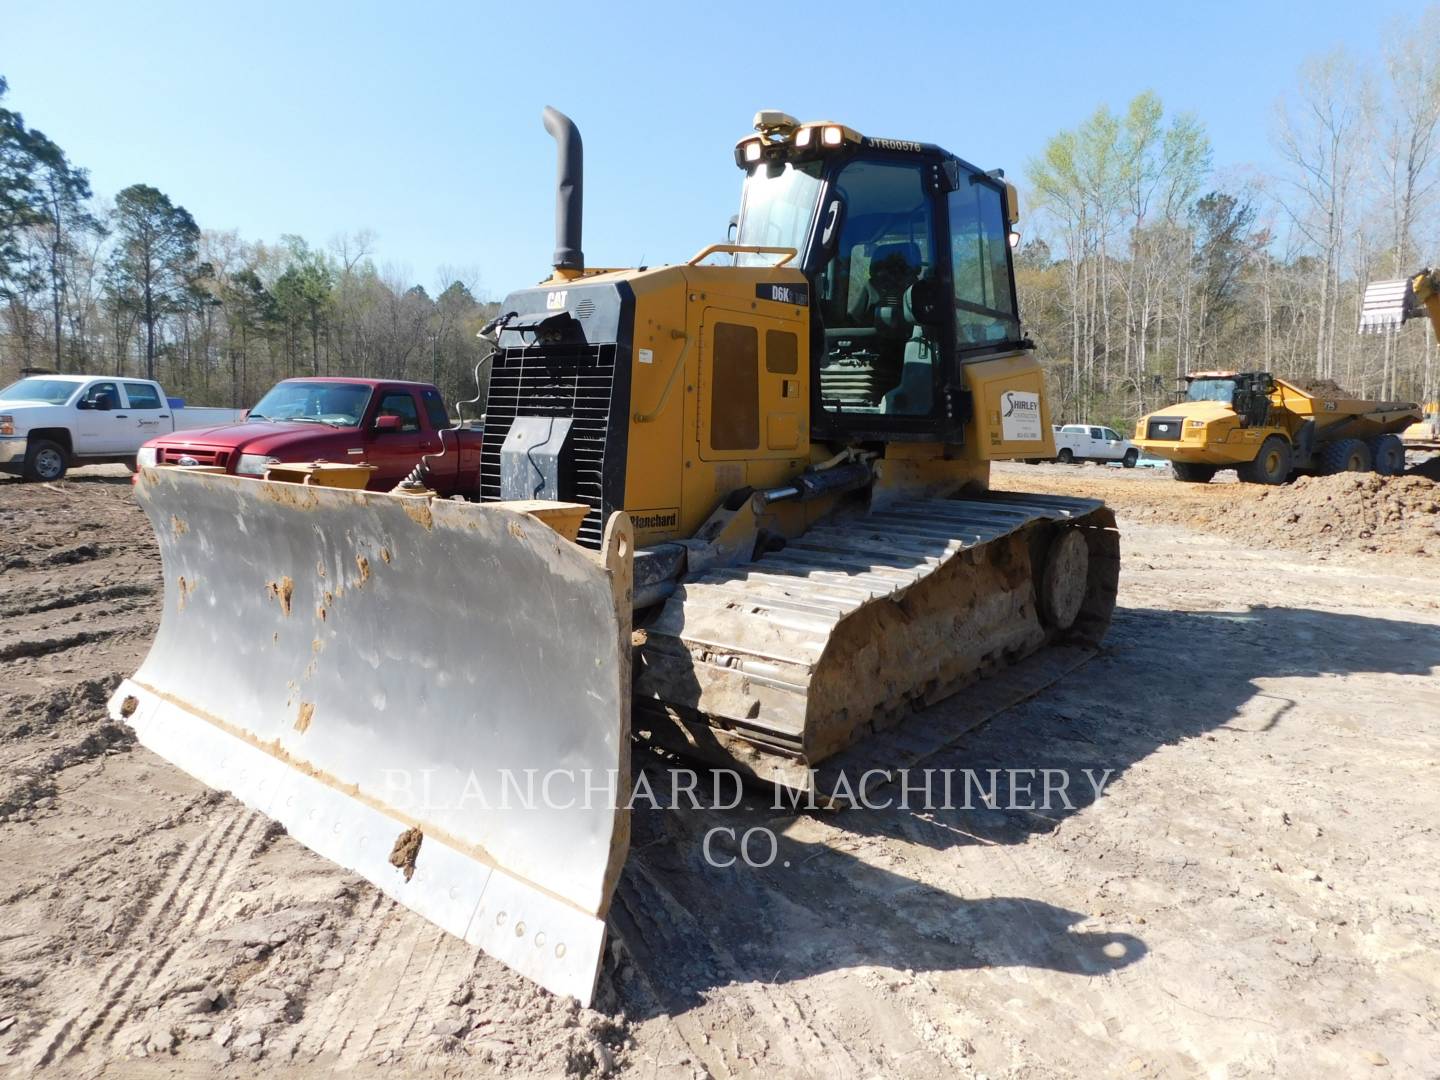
{"x":741,"y":501}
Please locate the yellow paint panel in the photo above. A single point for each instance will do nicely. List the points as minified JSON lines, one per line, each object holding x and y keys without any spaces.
{"x":1012,"y":417}
{"x":782,"y":431}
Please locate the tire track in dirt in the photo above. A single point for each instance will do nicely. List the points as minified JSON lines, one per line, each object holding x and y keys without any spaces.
{"x":219,"y":870}
{"x":402,"y":997}
{"x":81,"y":595}
{"x":321,"y":1031}
{"x":28,"y":646}
{"x":658,"y":927}
{"x":72,"y":1030}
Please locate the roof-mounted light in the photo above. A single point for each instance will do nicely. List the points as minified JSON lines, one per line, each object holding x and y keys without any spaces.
{"x":833,"y":136}
{"x":774,"y":124}
{"x":752,"y":150}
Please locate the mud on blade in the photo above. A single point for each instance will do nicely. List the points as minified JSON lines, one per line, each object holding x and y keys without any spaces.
{"x":360,"y":666}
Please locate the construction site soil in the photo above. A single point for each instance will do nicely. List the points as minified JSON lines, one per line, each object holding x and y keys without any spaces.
{"x":1253,"y":892}
{"x":1322,"y":515}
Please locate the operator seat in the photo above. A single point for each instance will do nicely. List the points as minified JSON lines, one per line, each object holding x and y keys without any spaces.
{"x":915,"y":394}
{"x":893,"y":269}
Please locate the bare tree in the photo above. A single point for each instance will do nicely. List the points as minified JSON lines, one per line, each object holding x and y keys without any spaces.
{"x":1319,"y":135}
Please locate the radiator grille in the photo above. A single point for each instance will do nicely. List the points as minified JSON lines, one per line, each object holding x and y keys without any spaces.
{"x":574,"y":381}
{"x":1164,"y":427}
{"x":201,"y":455}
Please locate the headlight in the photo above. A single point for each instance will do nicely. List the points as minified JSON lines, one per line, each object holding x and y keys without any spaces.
{"x":1194,"y":423}
{"x":146,"y":455}
{"x":255,"y":464}
{"x":7,"y":425}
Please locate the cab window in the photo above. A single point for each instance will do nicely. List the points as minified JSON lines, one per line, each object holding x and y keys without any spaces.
{"x":142,"y":396}
{"x":878,"y":357}
{"x":100,"y":393}
{"x":1096,"y":433}
{"x":402,"y":404}
{"x":435,"y":409}
{"x":980,"y":265}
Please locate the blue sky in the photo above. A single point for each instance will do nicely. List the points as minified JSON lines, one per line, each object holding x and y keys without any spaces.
{"x":422,"y":121}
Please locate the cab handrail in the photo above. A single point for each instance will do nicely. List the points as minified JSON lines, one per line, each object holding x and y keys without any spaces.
{"x":745,"y":249}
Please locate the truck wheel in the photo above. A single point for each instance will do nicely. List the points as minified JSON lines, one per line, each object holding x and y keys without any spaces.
{"x":1388,"y":454}
{"x":1345,"y":455}
{"x":1131,"y":456}
{"x":45,"y":460}
{"x":1192,"y":473}
{"x":1271,"y":465}
{"x":1065,"y":457}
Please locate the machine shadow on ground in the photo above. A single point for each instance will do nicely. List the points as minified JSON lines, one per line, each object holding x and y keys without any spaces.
{"x":1162,"y":678}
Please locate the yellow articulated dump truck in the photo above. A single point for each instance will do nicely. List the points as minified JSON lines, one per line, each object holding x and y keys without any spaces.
{"x":1268,"y":429}
{"x":738,"y":503}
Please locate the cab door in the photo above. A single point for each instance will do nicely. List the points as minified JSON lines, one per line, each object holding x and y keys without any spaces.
{"x":149,"y":415}
{"x":394,"y":452}
{"x":102,"y":423}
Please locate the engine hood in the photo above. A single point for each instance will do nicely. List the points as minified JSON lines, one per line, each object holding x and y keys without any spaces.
{"x":258,"y":436}
{"x":1194,"y":410}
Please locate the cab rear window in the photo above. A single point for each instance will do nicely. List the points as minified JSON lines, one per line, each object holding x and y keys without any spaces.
{"x":435,"y":409}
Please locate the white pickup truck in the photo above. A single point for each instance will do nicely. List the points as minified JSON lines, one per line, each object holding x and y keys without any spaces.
{"x":50,"y":422}
{"x":1087,"y":442}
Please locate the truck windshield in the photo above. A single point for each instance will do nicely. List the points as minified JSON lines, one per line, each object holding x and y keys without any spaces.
{"x":50,"y":391}
{"x":341,"y":404}
{"x":1211,"y":390}
{"x":776,"y":206}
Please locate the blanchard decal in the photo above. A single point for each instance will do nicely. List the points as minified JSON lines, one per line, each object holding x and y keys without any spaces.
{"x":895,"y":144}
{"x":799,"y":295}
{"x":655,"y":519}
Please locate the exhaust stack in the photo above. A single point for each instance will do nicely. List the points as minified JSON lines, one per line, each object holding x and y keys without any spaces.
{"x":569,"y":189}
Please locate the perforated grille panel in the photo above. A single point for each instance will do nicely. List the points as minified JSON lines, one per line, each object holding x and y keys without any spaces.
{"x":574,"y":381}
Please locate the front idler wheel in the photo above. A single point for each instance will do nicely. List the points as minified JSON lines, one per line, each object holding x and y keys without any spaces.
{"x":1064,"y":579}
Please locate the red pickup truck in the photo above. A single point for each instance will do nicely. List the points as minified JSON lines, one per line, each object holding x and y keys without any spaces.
{"x":378,"y":422}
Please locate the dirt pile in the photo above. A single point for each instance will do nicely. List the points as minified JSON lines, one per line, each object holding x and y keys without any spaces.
{"x":1322,"y":387}
{"x":1349,"y":514}
{"x":1388,"y":515}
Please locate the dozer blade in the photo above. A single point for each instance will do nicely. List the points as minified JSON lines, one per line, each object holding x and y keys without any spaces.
{"x":433,"y":694}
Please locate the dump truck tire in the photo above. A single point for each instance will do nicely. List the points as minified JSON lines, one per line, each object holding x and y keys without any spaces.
{"x":1345,"y":455}
{"x":1191,"y":473}
{"x":1271,"y":465}
{"x":1387,"y":452}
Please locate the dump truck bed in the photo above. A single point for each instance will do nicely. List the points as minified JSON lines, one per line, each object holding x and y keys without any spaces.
{"x":1362,"y":418}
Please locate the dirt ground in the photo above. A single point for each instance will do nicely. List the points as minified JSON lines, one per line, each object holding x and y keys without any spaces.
{"x":1254,"y":893}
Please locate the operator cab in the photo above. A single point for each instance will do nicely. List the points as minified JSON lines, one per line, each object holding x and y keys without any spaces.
{"x":1248,"y":393}
{"x":907,"y":251}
